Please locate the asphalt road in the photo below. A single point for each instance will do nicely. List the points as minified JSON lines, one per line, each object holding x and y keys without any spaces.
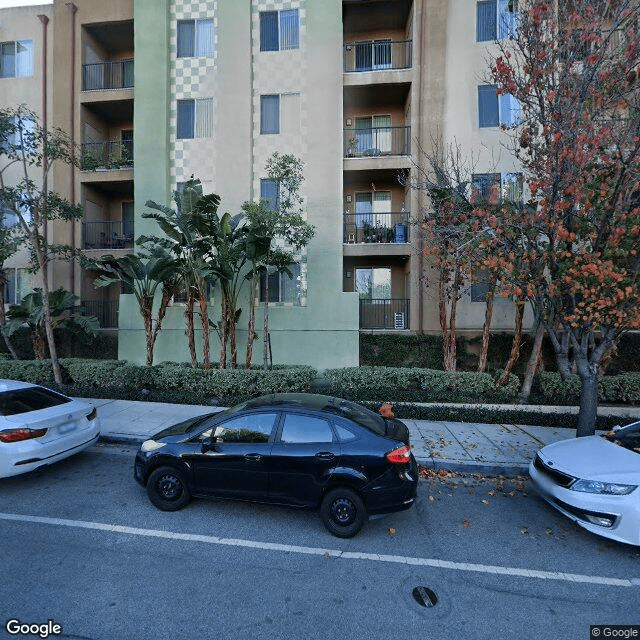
{"x":82,"y":546}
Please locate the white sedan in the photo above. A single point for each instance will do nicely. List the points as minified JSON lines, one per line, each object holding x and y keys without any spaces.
{"x":594,"y":481}
{"x":39,"y":426}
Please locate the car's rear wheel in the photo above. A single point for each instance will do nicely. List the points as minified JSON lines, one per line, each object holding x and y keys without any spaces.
{"x":343,"y":512}
{"x":167,"y":489}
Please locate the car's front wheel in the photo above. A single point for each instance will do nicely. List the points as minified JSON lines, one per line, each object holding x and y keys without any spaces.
{"x":167,"y":489}
{"x":343,"y":512}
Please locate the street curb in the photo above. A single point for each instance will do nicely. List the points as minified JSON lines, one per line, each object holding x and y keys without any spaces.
{"x":121,"y":439}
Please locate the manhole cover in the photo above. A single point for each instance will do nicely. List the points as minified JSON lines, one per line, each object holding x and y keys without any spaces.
{"x":424,"y":597}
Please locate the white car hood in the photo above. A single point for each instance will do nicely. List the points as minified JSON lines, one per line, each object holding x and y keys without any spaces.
{"x":593,"y":458}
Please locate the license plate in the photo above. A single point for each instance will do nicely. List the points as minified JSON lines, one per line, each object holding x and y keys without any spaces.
{"x":70,"y":426}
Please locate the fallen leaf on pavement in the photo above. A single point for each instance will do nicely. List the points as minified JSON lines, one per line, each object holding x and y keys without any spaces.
{"x":431,"y":498}
{"x":491,"y":493}
{"x":392,"y":531}
{"x":466,"y":524}
{"x":524,"y":531}
{"x":485,"y":503}
{"x":549,"y":531}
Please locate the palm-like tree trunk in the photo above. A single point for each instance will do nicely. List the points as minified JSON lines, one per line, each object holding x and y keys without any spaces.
{"x":224,"y":322}
{"x":188,"y":317}
{"x":204,"y":319}
{"x":251,"y":334}
{"x":486,"y":328}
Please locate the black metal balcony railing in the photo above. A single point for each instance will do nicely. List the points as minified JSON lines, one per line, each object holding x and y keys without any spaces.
{"x":105,"y":310}
{"x":106,"y":234}
{"x":112,"y":154}
{"x":377,"y":141}
{"x":384,"y":314}
{"x":376,"y":227}
{"x":107,"y":75}
{"x":375,"y":55}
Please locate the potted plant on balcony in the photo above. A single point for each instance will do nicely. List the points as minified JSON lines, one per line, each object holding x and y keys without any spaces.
{"x":352,"y":146}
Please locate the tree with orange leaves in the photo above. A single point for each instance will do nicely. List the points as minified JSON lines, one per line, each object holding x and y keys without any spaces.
{"x":574,"y":68}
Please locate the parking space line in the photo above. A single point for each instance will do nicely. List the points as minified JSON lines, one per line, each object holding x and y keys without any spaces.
{"x":333,"y":553}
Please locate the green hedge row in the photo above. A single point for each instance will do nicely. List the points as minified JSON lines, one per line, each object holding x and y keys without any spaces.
{"x":418,"y":385}
{"x":619,"y":389}
{"x":167,"y":382}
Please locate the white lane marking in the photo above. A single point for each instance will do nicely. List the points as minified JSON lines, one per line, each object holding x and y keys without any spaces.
{"x":333,"y":553}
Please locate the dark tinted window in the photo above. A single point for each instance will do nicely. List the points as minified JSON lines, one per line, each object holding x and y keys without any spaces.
{"x":269,"y":31}
{"x":361,"y":415}
{"x":299,"y":429}
{"x":344,"y":435}
{"x":255,"y":427}
{"x":25,"y":400}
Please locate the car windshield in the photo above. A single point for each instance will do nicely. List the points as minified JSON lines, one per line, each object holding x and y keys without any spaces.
{"x":32,"y":399}
{"x":628,"y":437}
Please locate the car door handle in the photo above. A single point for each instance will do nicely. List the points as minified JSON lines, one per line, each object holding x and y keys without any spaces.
{"x":325,"y":455}
{"x":254,"y":457}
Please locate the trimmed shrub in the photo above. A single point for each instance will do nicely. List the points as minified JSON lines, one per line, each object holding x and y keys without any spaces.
{"x":620,"y":389}
{"x":418,"y":385}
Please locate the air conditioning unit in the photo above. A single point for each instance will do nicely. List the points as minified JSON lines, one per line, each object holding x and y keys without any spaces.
{"x":398,"y":320}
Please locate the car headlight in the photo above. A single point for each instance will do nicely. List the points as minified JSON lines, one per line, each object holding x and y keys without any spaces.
{"x":608,"y":488}
{"x":151,"y":445}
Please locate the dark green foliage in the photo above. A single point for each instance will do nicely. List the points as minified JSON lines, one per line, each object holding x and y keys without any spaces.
{"x":70,"y":344}
{"x":394,"y":350}
{"x":489,"y":415}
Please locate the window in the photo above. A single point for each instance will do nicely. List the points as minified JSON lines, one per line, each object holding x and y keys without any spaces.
{"x":18,"y":133}
{"x":279,"y":30}
{"x":270,"y":114}
{"x":496,"y":187}
{"x":373,"y":283}
{"x":282,"y":288}
{"x":9,"y":218}
{"x":373,"y":55}
{"x":16,"y":59}
{"x":195,"y":38}
{"x":495,"y":110}
{"x":299,"y":429}
{"x":195,"y":118}
{"x":270,"y":190}
{"x":496,"y":19}
{"x":17,"y":286}
{"x":252,"y":428}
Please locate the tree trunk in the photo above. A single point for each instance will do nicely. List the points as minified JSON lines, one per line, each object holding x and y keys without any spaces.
{"x":486,"y":328}
{"x":532,"y":365}
{"x":223,"y":330}
{"x":48,"y":324}
{"x":515,"y":345}
{"x":10,"y":348}
{"x":588,"y":397}
{"x":251,"y":333}
{"x":37,"y":342}
{"x":232,"y":340}
{"x":147,"y":318}
{"x":204,"y":320}
{"x":188,"y":318}
{"x":265,"y":328}
{"x":562,"y":355}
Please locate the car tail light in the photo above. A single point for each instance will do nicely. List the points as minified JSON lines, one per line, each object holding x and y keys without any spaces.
{"x":92,"y":416}
{"x":400,"y":455}
{"x":16,"y":435}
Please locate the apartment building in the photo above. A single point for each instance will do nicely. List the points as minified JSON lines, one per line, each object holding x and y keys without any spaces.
{"x":213,"y":88}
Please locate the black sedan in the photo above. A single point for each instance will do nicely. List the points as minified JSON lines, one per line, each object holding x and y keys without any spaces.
{"x":302,"y":450}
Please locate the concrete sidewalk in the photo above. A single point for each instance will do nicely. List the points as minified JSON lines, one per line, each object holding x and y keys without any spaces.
{"x":493,"y":449}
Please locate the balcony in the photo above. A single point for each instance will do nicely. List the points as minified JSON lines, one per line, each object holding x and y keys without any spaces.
{"x":107,"y":234}
{"x":112,"y":154}
{"x":377,"y":141}
{"x":392,"y":227}
{"x":107,"y":75}
{"x":105,"y":310}
{"x":384,"y":314}
{"x":377,"y":55}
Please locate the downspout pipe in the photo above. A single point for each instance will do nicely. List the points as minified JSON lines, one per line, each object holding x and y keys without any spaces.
{"x":72,"y":122}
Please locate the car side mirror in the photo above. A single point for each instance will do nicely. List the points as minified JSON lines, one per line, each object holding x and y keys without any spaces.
{"x":208,"y":444}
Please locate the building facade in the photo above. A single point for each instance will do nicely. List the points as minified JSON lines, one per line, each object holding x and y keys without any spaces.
{"x":155,"y":92}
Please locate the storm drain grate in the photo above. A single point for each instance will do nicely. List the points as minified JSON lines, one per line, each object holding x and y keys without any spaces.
{"x":424,"y":597}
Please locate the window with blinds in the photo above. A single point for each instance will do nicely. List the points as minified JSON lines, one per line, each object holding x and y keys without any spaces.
{"x":279,"y":30}
{"x":195,"y":118}
{"x":494,"y":109}
{"x":270,"y":114}
{"x":496,"y":19}
{"x":195,"y":38}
